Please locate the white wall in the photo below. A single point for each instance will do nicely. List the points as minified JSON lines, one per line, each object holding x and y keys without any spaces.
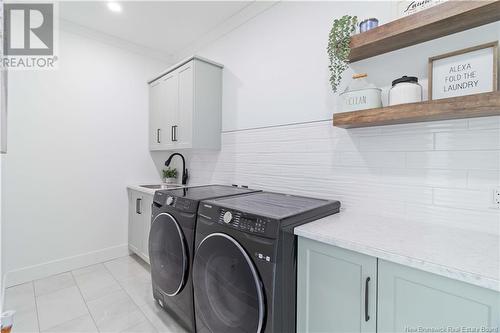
{"x":276,"y":73}
{"x":77,"y":138}
{"x":276,"y":66}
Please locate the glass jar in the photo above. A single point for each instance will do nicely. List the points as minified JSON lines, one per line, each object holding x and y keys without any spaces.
{"x":368,"y":24}
{"x":405,"y":90}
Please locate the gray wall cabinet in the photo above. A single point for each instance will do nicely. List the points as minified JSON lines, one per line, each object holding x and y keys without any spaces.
{"x":331,"y":295}
{"x":185,"y":106}
{"x":139,"y":222}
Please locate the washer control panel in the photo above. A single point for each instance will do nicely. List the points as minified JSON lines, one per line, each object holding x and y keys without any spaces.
{"x":165,"y":199}
{"x":244,"y":222}
{"x":182,"y":204}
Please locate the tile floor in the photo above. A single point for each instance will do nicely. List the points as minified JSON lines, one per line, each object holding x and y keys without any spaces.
{"x":114,"y":296}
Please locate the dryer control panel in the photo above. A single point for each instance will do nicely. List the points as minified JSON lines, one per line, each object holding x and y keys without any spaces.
{"x":165,"y":199}
{"x":248,"y":223}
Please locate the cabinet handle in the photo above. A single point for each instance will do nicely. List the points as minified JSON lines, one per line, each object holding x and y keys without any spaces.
{"x":367,"y":317}
{"x":173,"y":133}
{"x":158,"y":133}
{"x":138,"y":206}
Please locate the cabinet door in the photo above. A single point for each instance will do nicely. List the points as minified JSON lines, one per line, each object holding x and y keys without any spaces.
{"x":170,"y":93}
{"x":336,"y":289}
{"x":410,"y":300}
{"x":146,"y":215}
{"x":184,"y":127}
{"x":136,"y":221}
{"x":155,"y":115}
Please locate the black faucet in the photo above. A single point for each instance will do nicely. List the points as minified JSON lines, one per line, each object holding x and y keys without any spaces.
{"x":184,"y":170}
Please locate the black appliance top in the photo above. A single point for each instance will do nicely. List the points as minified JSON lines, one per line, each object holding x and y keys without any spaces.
{"x":206,"y":192}
{"x":277,"y":206}
{"x":265,"y":213}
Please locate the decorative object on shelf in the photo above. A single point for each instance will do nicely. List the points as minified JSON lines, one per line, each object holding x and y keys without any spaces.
{"x":360,"y":95}
{"x":338,"y":47}
{"x":406,"y":7}
{"x":368,"y":24}
{"x":7,"y":320}
{"x":464,"y":72}
{"x":169,"y":175}
{"x":405,"y":90}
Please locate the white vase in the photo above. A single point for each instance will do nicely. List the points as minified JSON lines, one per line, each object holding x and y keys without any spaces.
{"x":170,"y":180}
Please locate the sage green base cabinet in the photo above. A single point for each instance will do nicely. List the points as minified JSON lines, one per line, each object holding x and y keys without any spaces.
{"x":332,"y":294}
{"x":410,"y":299}
{"x":331,"y":285}
{"x":139,"y":222}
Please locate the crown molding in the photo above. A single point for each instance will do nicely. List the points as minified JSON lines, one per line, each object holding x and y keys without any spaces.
{"x":236,"y":20}
{"x":74,"y":28}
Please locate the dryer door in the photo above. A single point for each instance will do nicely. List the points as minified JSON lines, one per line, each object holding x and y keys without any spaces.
{"x":168,"y":254}
{"x":227,"y":288}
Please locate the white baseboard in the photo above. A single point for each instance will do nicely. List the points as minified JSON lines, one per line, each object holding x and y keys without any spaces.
{"x":39,"y":271}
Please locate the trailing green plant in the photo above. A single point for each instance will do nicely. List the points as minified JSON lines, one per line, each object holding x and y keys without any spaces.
{"x":338,"y":47}
{"x":169,"y":173}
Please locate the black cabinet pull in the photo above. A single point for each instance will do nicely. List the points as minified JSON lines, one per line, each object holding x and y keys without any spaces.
{"x":175,"y":132}
{"x":158,"y":132}
{"x":367,"y":317}
{"x":138,"y":205}
{"x":172,"y":138}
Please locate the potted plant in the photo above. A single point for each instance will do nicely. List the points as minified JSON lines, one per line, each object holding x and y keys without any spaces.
{"x":170,"y":175}
{"x":338,"y":47}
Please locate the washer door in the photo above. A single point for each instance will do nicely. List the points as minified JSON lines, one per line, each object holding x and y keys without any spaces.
{"x":168,"y":254}
{"x":227,"y":288}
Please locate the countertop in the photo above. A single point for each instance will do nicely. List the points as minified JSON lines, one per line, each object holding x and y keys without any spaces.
{"x":148,"y":190}
{"x":465,"y":255}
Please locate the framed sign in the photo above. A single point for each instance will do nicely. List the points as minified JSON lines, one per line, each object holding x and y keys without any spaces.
{"x":464,"y":72}
{"x":408,"y":7}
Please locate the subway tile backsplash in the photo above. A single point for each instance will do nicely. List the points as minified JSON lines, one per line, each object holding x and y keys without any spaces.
{"x":437,"y":172}
{"x":454,"y":160}
{"x":485,"y":139}
{"x":483,"y":179}
{"x":406,"y":142}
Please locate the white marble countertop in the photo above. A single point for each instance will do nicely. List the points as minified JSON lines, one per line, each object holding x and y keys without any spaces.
{"x":465,"y":255}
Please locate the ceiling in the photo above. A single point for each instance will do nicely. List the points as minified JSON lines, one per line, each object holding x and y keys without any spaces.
{"x":164,"y":26}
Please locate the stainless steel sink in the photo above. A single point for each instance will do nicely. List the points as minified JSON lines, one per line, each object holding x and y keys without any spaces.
{"x":161,"y":186}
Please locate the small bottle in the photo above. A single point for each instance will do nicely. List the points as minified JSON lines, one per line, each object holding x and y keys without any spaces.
{"x":368,"y":24}
{"x":6,"y":321}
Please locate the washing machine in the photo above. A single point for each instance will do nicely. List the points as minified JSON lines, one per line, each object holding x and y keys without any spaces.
{"x":244,"y":268}
{"x":171,"y":242}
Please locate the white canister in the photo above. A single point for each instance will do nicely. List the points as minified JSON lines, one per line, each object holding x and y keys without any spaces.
{"x":360,"y":95}
{"x":405,"y":90}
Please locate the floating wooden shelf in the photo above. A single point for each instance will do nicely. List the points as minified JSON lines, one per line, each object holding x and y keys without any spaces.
{"x":438,"y":21}
{"x":479,"y":105}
